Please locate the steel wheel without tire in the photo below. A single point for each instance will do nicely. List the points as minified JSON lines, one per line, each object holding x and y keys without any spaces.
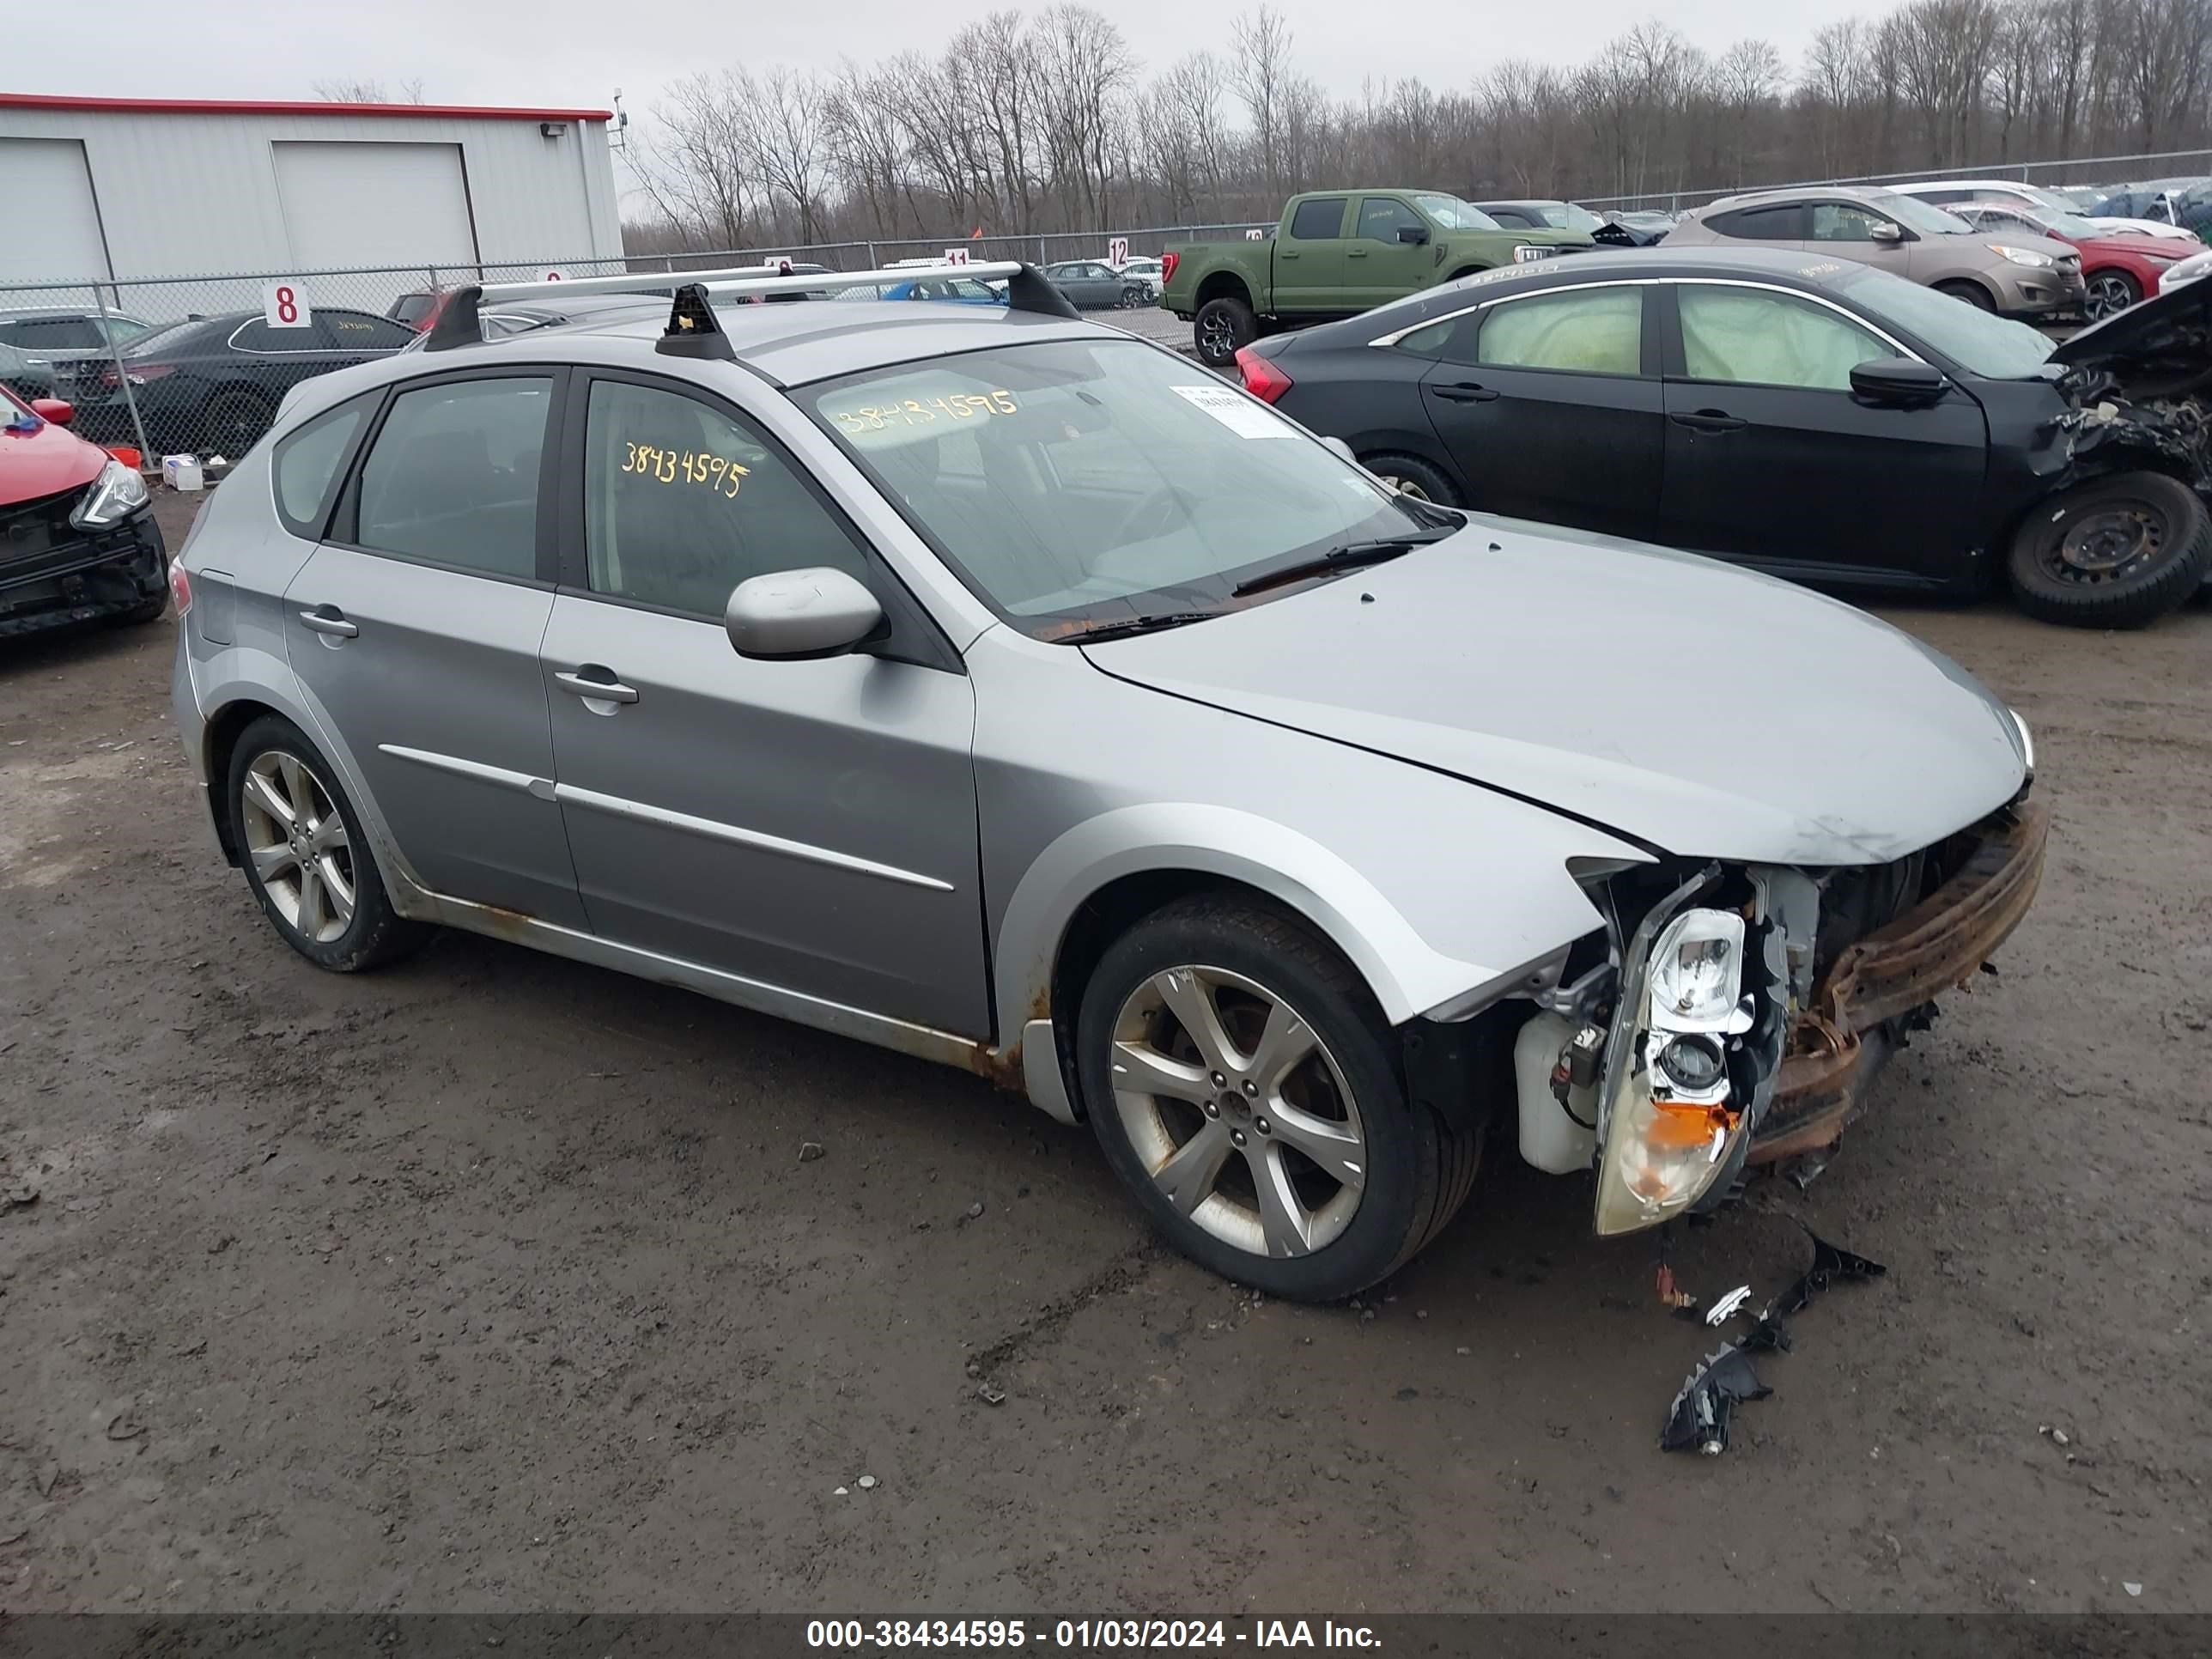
{"x":298,"y":838}
{"x":1240,"y":1114}
{"x":2109,"y":291}
{"x":1245,"y":1088}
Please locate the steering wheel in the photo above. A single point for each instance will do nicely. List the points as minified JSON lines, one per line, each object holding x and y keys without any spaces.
{"x":1164,"y":510}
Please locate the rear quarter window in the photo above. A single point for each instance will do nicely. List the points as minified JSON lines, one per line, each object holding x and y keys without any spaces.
{"x":307,"y":463}
{"x":1319,"y":220}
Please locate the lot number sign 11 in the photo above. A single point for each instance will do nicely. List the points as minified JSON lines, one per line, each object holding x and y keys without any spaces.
{"x":956,"y":256}
{"x":285,"y":305}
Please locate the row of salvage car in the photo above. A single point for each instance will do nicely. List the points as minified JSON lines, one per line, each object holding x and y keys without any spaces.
{"x":1793,"y":410}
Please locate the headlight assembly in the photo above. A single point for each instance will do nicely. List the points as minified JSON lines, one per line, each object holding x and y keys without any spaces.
{"x":2023,"y":256}
{"x":115,"y":494}
{"x":2026,"y":741}
{"x":1669,"y":1121}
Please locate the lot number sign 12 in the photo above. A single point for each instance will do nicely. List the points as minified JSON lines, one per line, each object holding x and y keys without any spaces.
{"x":285,"y":305}
{"x":1117,"y":251}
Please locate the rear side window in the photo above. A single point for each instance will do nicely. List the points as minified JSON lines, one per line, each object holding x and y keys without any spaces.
{"x":1592,"y":331}
{"x":307,"y":465}
{"x":1318,"y":220}
{"x":453,"y":476}
{"x":357,"y":331}
{"x":682,"y":503}
{"x":57,"y":334}
{"x":1763,"y":224}
{"x":412,"y":308}
{"x":1939,"y":196}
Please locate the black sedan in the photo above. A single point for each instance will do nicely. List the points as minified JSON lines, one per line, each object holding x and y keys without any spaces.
{"x":1802,"y":415}
{"x":210,"y":386}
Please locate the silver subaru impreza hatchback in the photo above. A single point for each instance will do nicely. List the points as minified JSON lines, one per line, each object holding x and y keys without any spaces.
{"x":1004,"y":689}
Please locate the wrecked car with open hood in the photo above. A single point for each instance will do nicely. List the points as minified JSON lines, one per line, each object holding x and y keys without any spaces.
{"x":997,"y":687}
{"x":1800,"y":413}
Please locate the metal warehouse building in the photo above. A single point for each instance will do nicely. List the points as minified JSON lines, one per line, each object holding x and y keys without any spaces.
{"x":115,"y":189}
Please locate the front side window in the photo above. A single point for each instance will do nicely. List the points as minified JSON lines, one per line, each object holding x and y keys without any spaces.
{"x":1571,"y":215}
{"x":1843,"y":222}
{"x":453,"y":476}
{"x":682,"y":503}
{"x":1079,"y":481}
{"x":1923,"y":216}
{"x":1382,"y":217}
{"x":1978,"y":341}
{"x":1319,"y":220}
{"x":1591,"y":331}
{"x":1753,"y":337}
{"x":307,"y":462}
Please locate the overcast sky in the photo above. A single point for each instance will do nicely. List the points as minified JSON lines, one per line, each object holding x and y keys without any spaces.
{"x":573,"y":53}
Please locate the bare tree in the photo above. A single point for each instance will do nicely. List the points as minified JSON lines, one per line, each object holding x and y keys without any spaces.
{"x":1259,"y":70}
{"x":349,"y":90}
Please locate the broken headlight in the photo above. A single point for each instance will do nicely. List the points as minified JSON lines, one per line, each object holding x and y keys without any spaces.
{"x":1669,"y":1122}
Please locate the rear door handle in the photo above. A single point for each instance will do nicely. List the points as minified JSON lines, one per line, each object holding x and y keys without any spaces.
{"x":1356,"y":253}
{"x":585,"y":684}
{"x":1709,"y":420}
{"x":329,"y":619}
{"x":1463,"y":391}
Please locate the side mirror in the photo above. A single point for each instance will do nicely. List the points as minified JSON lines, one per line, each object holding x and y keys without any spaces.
{"x":793,"y":615}
{"x":1340,"y":449}
{"x":1883,"y":231}
{"x":59,"y":410}
{"x":1413,"y":235}
{"x":1898,"y":382}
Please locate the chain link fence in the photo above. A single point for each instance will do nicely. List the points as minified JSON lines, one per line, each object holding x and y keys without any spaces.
{"x":2110,"y":172}
{"x":198,"y":366}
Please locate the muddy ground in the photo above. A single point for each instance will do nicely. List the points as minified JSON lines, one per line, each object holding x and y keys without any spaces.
{"x":495,"y":1282}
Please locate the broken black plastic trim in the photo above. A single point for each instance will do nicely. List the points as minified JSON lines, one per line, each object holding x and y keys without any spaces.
{"x":457,"y":324}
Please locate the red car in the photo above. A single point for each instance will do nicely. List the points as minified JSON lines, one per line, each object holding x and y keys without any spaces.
{"x":77,"y":535}
{"x":2117,"y":267}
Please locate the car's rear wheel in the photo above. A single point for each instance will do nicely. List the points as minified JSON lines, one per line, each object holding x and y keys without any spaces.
{"x":1244,"y":1085}
{"x":233,"y":424}
{"x":2115,"y":552}
{"x":305,"y":856}
{"x":2109,"y":291}
{"x":1222,"y":327}
{"x":1973,"y":294}
{"x":1409,"y":475}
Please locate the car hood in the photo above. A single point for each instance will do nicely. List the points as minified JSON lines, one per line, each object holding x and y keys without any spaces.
{"x":41,"y":460}
{"x":2160,"y":348}
{"x":1695,"y":707}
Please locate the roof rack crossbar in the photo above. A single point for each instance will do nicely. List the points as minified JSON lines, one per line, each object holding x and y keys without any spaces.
{"x":1028,"y":288}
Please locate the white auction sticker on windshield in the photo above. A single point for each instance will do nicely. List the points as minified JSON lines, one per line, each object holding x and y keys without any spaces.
{"x":1240,"y":415}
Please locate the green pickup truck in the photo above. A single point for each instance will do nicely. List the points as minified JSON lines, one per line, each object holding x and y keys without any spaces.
{"x":1336,"y":253}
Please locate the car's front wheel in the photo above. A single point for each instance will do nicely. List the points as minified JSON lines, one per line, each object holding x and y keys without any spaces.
{"x":1409,"y":475}
{"x":2116,"y":552}
{"x":1244,"y":1086}
{"x":2109,"y":291}
{"x":304,"y":854}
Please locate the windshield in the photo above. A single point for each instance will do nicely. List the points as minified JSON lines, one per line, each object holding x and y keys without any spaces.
{"x":1916,"y":214}
{"x":1093,"y":482}
{"x":2071,"y":226}
{"x":1978,"y":341}
{"x":1566,"y":215}
{"x":1453,"y":214}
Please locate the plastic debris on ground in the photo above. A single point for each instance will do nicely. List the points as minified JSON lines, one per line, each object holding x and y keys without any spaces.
{"x":1700,"y":1417}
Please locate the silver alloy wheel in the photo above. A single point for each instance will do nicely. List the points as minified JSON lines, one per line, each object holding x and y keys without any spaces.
{"x":298,"y":844}
{"x":2107,"y":293}
{"x":1217,"y":340}
{"x":1238,"y":1111}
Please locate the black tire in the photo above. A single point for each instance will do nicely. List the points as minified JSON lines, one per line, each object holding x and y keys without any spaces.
{"x":1417,"y":1170}
{"x":2109,"y":291}
{"x":1222,"y":327}
{"x":232,"y":423}
{"x":1973,"y":294}
{"x":1415,"y":476}
{"x":2118,"y":552}
{"x":375,"y":932}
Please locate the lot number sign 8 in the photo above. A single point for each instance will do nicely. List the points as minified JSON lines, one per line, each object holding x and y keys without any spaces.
{"x":285,"y":305}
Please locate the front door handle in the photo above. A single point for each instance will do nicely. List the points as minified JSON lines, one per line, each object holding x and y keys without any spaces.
{"x":1287,"y":253}
{"x":585,"y":682}
{"x":1464,"y":391}
{"x":329,"y":619}
{"x":1355,"y":253}
{"x":1709,"y":420}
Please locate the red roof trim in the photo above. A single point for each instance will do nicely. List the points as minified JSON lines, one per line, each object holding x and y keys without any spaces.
{"x":249,"y":107}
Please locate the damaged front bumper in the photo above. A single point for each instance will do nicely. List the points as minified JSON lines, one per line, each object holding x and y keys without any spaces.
{"x":1844,"y":1038}
{"x":1722,"y":1048}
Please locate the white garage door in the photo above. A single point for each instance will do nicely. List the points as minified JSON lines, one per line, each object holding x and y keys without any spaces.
{"x":53,"y":226}
{"x":375,"y":204}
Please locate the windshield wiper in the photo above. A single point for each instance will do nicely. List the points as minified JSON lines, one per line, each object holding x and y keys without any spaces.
{"x":1347,"y":556}
{"x":1129,"y":625}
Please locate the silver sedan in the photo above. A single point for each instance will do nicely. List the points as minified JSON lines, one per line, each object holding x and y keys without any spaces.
{"x":1002,"y":689}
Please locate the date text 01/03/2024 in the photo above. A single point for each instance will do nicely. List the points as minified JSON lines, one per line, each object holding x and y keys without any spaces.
{"x":1086,"y":1633}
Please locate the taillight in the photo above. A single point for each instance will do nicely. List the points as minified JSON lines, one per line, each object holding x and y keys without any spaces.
{"x":180,"y":589}
{"x":1169,"y":261}
{"x":1261,"y":378}
{"x":139,"y":374}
